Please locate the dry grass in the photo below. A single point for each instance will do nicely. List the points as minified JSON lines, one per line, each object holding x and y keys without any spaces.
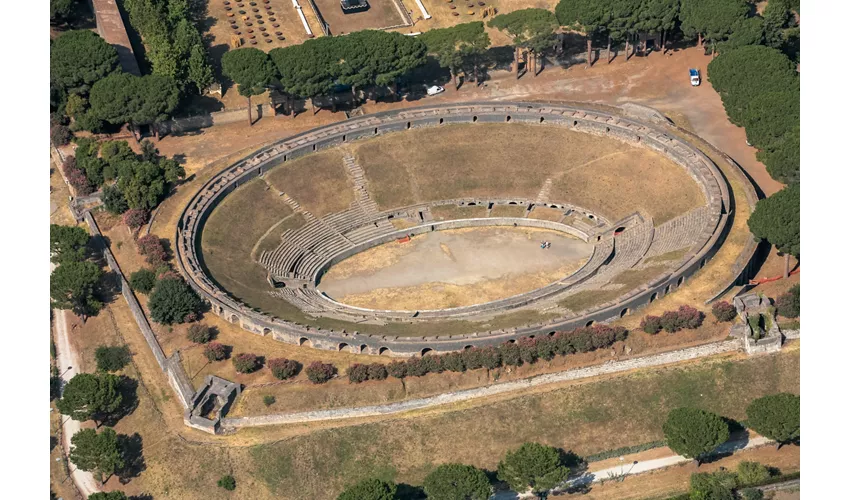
{"x":628,"y":279}
{"x":231,"y":232}
{"x":272,"y":238}
{"x":482,"y":160}
{"x":318,"y":182}
{"x":673,"y":255}
{"x":546,"y":213}
{"x":618,"y":185}
{"x":371,"y":260}
{"x":508,"y":211}
{"x":451,"y":212}
{"x":600,"y":415}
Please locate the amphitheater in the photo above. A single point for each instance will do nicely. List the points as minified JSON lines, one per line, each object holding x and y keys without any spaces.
{"x":258,"y":232}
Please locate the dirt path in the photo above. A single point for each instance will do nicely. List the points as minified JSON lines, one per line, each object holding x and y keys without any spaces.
{"x":69,"y":365}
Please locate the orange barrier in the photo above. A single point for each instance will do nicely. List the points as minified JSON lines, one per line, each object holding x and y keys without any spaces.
{"x":775,"y":278}
{"x":404,"y":240}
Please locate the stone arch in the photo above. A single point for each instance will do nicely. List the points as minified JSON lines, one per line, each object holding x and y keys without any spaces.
{"x":266,"y":331}
{"x":680,"y":281}
{"x":467,"y":347}
{"x":542,"y":119}
{"x":234,"y":318}
{"x":441,"y":121}
{"x":588,"y":324}
{"x":508,"y":119}
{"x":341,"y":346}
{"x":474,"y":118}
{"x":653,"y":297}
{"x":384,"y":351}
{"x":408,"y":125}
{"x":425,"y":351}
{"x":304,"y":341}
{"x":666,"y":289}
{"x":624,"y":312}
{"x":552,"y":334}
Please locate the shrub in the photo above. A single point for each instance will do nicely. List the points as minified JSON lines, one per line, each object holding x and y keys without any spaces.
{"x":752,"y":473}
{"x":112,"y":359}
{"x":283,"y":368}
{"x":135,"y":218}
{"x":227,"y":482}
{"x":268,"y":400}
{"x":114,"y":200}
{"x":563,"y":343}
{"x":788,"y":304}
{"x":152,"y":249}
{"x":370,"y":489}
{"x":60,"y":135}
{"x":713,"y":486}
{"x":199,"y":334}
{"x":751,"y":494}
{"x":481,"y":357}
{"x":215,"y":351}
{"x":527,"y":349}
{"x":416,"y":367}
{"x":651,"y":324}
{"x":172,"y":300}
{"x":670,"y":321}
{"x":246,"y":362}
{"x":377,"y":371}
{"x":143,"y":281}
{"x":690,"y":317}
{"x":724,"y":311}
{"x":76,"y":177}
{"x":358,"y":373}
{"x":397,"y":369}
{"x":453,"y":362}
{"x":509,"y":354}
{"x":581,"y":340}
{"x":319,"y":372}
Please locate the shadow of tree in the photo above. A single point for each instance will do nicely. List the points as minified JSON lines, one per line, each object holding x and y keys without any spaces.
{"x":129,"y":400}
{"x":134,"y":460}
{"x":409,"y":492}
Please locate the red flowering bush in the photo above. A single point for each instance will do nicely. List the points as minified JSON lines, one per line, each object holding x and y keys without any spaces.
{"x":152,"y":249}
{"x":283,"y":368}
{"x":135,"y":218}
{"x":215,"y":351}
{"x":246,"y":362}
{"x":319,"y":372}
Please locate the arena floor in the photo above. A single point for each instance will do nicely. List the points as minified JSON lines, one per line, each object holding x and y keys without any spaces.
{"x":454,"y":268}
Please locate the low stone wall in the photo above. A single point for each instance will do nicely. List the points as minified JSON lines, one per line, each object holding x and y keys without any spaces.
{"x":491,"y":390}
{"x":187,"y":124}
{"x":190,"y":225}
{"x":110,"y":27}
{"x":170,"y":366}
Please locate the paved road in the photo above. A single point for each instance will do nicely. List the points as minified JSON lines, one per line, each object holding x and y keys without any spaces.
{"x":639,"y":467}
{"x":69,"y":365}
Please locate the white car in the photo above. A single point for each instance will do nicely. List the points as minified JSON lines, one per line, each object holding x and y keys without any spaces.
{"x":434,"y":90}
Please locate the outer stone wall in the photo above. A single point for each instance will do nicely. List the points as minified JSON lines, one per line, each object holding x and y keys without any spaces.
{"x":191,"y":222}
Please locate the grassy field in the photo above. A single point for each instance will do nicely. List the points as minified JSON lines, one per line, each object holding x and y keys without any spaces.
{"x":617,"y":185}
{"x":450,"y":212}
{"x":629,"y":280}
{"x":462,"y":161}
{"x":585,"y":418}
{"x":318,"y":182}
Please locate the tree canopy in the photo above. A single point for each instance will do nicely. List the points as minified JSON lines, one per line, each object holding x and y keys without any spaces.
{"x":777,"y":220}
{"x":72,"y":286}
{"x":99,"y":454}
{"x":108,"y":495}
{"x":458,"y":46}
{"x":125,"y":98}
{"x":250,"y":68}
{"x":692,"y":433}
{"x":67,"y":243}
{"x":369,"y":489}
{"x":533,"y":467}
{"x":711,"y":19}
{"x":713,"y":486}
{"x":776,"y":416}
{"x":90,"y":397}
{"x":533,"y":29}
{"x":457,"y":482}
{"x":79,"y":58}
{"x":172,"y":301}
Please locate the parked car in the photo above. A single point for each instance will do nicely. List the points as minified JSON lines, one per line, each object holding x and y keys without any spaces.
{"x":694,"y":77}
{"x":434,"y":90}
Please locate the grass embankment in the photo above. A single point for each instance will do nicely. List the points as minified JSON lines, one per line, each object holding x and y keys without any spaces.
{"x":586,"y":418}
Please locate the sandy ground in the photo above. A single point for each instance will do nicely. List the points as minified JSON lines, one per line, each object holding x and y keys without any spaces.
{"x":455,"y":268}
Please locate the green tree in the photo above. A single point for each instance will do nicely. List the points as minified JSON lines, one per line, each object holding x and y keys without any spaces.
{"x":227,"y":482}
{"x":251,"y":69}
{"x":124,"y":98}
{"x":143,"y":280}
{"x":530,"y":29}
{"x":369,"y":489}
{"x":113,"y":200}
{"x":773,"y":116}
{"x":90,"y":397}
{"x":692,"y":433}
{"x":752,"y":473}
{"x":458,"y":46}
{"x":745,"y":32}
{"x":657,"y":16}
{"x":776,"y":417}
{"x":67,"y":243}
{"x":457,"y":482}
{"x":783,"y":160}
{"x":108,"y":495}
{"x":777,"y":13}
{"x":99,"y":454}
{"x":79,"y":58}
{"x":111,"y":358}
{"x":713,"y":486}
{"x":72,"y":287}
{"x":172,"y":301}
{"x":710,"y":20}
{"x":200,"y":72}
{"x":777,"y":220}
{"x":60,"y":10}
{"x":533,"y":467}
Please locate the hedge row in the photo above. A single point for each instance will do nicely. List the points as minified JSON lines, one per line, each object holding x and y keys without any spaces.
{"x":673,"y":321}
{"x":524,"y":350}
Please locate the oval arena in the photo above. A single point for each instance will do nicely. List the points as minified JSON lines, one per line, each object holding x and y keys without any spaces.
{"x":271,"y":227}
